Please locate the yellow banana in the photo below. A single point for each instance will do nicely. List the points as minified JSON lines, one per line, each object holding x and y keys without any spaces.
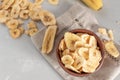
{"x":94,"y":4}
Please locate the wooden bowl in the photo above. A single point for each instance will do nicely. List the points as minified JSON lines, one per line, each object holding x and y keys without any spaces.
{"x":99,"y":44}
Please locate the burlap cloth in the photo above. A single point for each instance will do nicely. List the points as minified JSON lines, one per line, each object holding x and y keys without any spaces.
{"x":78,"y":17}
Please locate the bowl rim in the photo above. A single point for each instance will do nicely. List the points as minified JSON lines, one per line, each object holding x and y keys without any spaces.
{"x":99,"y":43}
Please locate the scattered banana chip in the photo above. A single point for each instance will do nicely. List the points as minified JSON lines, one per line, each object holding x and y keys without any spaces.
{"x":110,"y":34}
{"x":111,"y":49}
{"x":67,"y":60}
{"x":48,"y":41}
{"x":81,"y":53}
{"x":102,"y":31}
{"x":39,"y":1}
{"x":15,"y":33}
{"x":21,"y":29}
{"x":15,"y":11}
{"x":11,"y":11}
{"x":12,"y":24}
{"x":70,"y":40}
{"x":31,"y":25}
{"x":3,"y":16}
{"x":24,"y":14}
{"x":7,"y":3}
{"x":53,"y":2}
{"x":47,"y":18}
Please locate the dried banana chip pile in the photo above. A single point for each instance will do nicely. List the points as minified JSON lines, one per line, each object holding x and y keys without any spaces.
{"x":79,"y":52}
{"x":14,"y":12}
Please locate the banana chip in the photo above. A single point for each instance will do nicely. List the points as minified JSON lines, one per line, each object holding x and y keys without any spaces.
{"x":84,"y":53}
{"x":78,"y":62}
{"x":102,"y":31}
{"x":72,"y":68}
{"x":15,"y":11}
{"x":7,"y":3}
{"x":89,"y":67}
{"x":24,"y":14}
{"x":15,"y":33}
{"x":48,"y":40}
{"x":24,"y":4}
{"x":78,"y":44}
{"x":95,"y":54}
{"x":66,"y":52}
{"x":111,"y":49}
{"x":12,"y":24}
{"x":31,"y":25}
{"x":110,"y":34}
{"x":53,"y":2}
{"x":67,"y":60}
{"x":62,"y":45}
{"x":39,"y":1}
{"x":70,"y":40}
{"x":3,"y":16}
{"x":21,"y":29}
{"x":47,"y":18}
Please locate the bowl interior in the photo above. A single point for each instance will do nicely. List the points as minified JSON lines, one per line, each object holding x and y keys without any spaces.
{"x":99,"y":43}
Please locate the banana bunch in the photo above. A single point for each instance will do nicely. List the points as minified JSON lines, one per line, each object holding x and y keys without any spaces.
{"x":94,"y":4}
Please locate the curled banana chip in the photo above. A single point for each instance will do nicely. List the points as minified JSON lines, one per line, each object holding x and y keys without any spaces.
{"x":67,"y":60}
{"x":111,"y":48}
{"x":24,"y":14}
{"x":53,"y":2}
{"x":70,"y":40}
{"x":48,"y":40}
{"x":72,"y":68}
{"x":15,"y":33}
{"x":62,"y":45}
{"x":12,"y":24}
{"x":47,"y":18}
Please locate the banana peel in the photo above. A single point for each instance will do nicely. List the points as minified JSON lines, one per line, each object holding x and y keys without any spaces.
{"x":94,"y":4}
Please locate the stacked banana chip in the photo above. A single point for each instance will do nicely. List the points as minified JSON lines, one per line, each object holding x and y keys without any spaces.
{"x":14,"y":12}
{"x":109,"y":45}
{"x":79,"y":52}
